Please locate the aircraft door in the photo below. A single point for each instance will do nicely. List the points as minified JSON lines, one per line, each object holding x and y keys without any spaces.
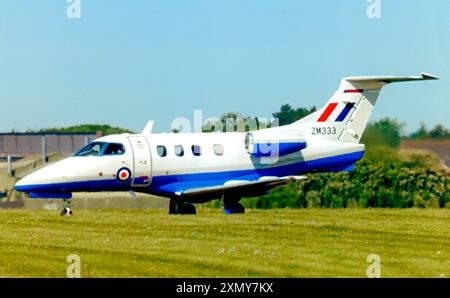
{"x":142,"y":170}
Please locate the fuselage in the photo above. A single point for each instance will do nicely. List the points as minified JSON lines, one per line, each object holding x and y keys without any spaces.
{"x":167,"y":164}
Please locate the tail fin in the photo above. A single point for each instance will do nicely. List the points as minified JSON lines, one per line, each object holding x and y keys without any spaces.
{"x":346,"y":114}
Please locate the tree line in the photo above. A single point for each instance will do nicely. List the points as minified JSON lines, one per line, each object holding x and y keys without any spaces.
{"x":83,"y":128}
{"x":386,"y":131}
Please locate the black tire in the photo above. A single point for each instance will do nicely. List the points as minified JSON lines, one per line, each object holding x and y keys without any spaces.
{"x":233,"y":207}
{"x":178,"y":207}
{"x":189,"y":209}
{"x":66,"y":212}
{"x":173,"y":207}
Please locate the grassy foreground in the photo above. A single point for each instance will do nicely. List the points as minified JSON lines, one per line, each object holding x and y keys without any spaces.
{"x":271,"y":243}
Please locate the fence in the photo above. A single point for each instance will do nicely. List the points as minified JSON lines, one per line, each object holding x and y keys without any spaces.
{"x":18,"y":145}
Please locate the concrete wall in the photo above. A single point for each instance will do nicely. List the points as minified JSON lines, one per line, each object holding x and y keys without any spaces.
{"x":24,"y":144}
{"x":100,"y":201}
{"x":440,"y":147}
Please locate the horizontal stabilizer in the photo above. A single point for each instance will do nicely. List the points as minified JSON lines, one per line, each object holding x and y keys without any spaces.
{"x":391,"y":79}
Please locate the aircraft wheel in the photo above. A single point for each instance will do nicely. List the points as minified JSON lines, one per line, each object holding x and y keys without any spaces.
{"x":66,"y":212}
{"x":178,"y":207}
{"x":189,"y":209}
{"x":233,"y":207}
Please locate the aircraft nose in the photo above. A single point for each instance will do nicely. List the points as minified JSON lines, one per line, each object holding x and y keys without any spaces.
{"x":47,"y":178}
{"x":29,"y":183}
{"x":20,"y":184}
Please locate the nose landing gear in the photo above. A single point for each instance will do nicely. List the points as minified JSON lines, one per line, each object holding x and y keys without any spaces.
{"x":67,"y":205}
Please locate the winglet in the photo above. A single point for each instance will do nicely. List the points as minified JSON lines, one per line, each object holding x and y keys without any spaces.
{"x":426,"y":76}
{"x":148,"y":128}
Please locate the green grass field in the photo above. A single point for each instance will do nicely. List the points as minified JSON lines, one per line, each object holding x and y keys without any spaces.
{"x":274,"y":243}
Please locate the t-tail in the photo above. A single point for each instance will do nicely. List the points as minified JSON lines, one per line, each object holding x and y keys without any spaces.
{"x":345,"y":116}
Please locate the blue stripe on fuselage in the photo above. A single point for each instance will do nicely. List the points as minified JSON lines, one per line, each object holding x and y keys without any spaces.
{"x":92,"y":185}
{"x":168,"y":185}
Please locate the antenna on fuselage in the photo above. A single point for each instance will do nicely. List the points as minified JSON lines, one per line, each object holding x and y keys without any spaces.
{"x":148,"y":128}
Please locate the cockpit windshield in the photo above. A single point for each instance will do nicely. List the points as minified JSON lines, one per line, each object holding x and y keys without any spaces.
{"x":114,"y":149}
{"x":101,"y":149}
{"x":91,"y":149}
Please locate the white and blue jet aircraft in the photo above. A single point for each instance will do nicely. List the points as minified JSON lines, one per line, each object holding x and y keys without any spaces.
{"x":194,"y":168}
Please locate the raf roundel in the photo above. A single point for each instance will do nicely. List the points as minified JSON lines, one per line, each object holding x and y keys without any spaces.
{"x":123,"y":174}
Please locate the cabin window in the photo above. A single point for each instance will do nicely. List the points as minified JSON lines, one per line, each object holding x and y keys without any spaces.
{"x":114,"y":149}
{"x":179,"y":151}
{"x":218,"y":149}
{"x":92,"y":149}
{"x":196,"y":150}
{"x":161,"y":150}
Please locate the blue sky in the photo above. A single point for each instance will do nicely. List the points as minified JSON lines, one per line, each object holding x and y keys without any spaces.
{"x":126,"y":62}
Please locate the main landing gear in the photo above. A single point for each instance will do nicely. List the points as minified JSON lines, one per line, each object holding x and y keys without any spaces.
{"x":230,"y":202}
{"x":176,"y":206}
{"x":67,"y":205}
{"x":231,"y":205}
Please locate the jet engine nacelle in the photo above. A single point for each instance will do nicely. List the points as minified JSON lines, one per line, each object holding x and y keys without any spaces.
{"x":273,"y":143}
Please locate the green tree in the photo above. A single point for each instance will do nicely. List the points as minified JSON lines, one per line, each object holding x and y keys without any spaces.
{"x":385,"y":183}
{"x":91,"y":128}
{"x":421,"y":133}
{"x":386,"y":131}
{"x":288,"y":114}
{"x":439,"y":132}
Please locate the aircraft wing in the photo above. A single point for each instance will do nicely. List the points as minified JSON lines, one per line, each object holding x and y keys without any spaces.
{"x":244,"y":187}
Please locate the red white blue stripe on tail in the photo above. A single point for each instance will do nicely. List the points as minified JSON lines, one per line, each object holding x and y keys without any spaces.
{"x":332,"y":107}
